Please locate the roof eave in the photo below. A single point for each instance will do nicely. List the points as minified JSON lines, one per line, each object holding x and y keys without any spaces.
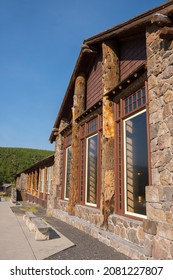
{"x":138,"y":21}
{"x":123,"y":28}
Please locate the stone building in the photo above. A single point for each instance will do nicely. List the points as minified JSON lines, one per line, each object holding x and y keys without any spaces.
{"x":113,"y":170}
{"x":113,"y":162}
{"x":34,"y":183}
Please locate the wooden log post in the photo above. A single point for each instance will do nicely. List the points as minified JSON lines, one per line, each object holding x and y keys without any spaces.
{"x":56,"y":187}
{"x":110,"y":67}
{"x":77,"y":110}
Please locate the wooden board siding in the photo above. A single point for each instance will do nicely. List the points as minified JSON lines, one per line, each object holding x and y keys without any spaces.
{"x":132,"y":55}
{"x":94,"y":84}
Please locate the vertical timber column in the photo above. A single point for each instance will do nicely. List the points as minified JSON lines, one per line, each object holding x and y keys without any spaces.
{"x":158,"y":226}
{"x":77,"y":110}
{"x":110,"y":67}
{"x":56,"y":188}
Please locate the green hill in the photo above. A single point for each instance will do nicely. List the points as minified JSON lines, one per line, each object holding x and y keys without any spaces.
{"x":14,"y":160}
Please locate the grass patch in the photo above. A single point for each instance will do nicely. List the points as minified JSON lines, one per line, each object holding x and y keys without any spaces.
{"x":32,"y":209}
{"x":22,"y":209}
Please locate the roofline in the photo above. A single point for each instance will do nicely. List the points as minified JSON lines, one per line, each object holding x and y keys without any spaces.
{"x":51,"y":157}
{"x":140,"y":20}
{"x":72,"y":79}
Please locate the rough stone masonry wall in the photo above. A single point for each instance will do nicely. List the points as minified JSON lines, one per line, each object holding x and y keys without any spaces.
{"x":127,"y":229}
{"x":55,"y":191}
{"x":85,"y":213}
{"x":158,"y":226}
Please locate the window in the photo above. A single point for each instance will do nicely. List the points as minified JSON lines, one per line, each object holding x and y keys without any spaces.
{"x":135,"y":163}
{"x":42,"y":180}
{"x":131,"y":154}
{"x":67,"y":172}
{"x":91,"y":170}
{"x":67,"y":165}
{"x":49,"y":179}
{"x":90,"y":162}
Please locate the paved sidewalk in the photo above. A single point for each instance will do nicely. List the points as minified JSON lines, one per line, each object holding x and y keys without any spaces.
{"x":77,"y":244}
{"x":12,"y":238}
{"x":17,"y":243}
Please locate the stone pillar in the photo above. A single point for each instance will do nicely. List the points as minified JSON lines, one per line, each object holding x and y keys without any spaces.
{"x":56,"y":188}
{"x":77,"y":110}
{"x":110,"y":67}
{"x":158,"y":226}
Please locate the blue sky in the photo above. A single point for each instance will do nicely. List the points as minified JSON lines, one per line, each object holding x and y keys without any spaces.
{"x":39,"y":44}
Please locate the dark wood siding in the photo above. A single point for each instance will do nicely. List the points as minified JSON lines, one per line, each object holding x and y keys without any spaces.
{"x":94,"y":83}
{"x":132,"y":55}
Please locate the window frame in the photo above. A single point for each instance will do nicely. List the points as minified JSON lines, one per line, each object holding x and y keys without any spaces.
{"x":86,"y":172}
{"x":120,"y":117}
{"x":49,"y":179}
{"x":125,"y":166}
{"x":42,"y":180}
{"x":65,"y":179}
{"x":67,"y":143}
{"x":84,"y":136}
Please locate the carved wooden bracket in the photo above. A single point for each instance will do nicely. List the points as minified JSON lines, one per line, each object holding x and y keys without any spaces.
{"x":161,"y":20}
{"x":86,"y":49}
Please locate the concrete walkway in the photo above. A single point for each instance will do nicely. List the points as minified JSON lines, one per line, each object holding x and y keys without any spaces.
{"x":17,"y":243}
{"x":67,"y":242}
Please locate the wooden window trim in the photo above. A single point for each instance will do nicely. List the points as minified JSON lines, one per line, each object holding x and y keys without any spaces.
{"x":66,"y":144}
{"x":119,"y":153}
{"x":82,"y":170}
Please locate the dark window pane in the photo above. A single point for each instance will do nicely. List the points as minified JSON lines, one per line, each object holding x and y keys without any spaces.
{"x":136,"y":164}
{"x":143,"y":100}
{"x":92,"y":125}
{"x":139,"y":94}
{"x":67,"y":178}
{"x":139,"y":102}
{"x":134,"y":105}
{"x":130,"y":100}
{"x":134,"y":101}
{"x":92,"y":169}
{"x":134,"y":97}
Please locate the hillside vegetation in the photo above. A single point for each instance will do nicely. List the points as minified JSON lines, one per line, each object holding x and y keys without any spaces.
{"x":14,"y":160}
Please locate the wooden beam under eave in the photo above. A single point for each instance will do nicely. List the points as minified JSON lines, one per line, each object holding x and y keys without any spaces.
{"x":166,"y":33}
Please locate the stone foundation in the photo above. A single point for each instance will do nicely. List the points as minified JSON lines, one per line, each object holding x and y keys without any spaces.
{"x":127,"y":229}
{"x":126,"y":247}
{"x":124,"y":234}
